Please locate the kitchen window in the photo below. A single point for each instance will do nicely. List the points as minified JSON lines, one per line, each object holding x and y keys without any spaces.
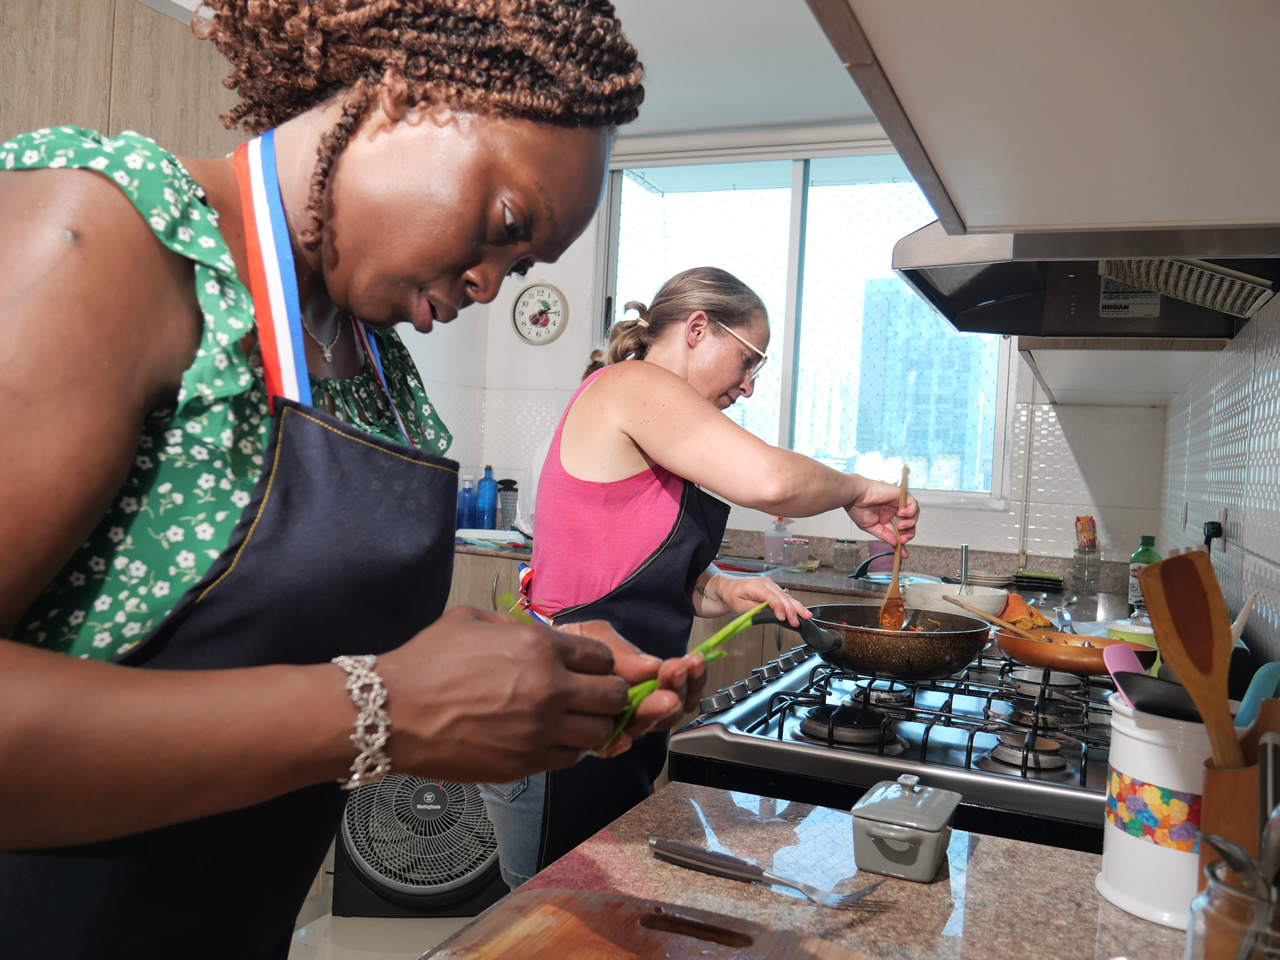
{"x":868,"y":375}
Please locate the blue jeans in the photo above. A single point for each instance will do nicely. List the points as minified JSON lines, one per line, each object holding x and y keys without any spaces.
{"x":515,"y":810}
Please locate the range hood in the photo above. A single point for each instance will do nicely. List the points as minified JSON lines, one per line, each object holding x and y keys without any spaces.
{"x":1054,"y":139}
{"x":1166,"y":284}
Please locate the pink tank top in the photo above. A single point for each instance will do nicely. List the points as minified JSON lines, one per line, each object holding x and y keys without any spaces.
{"x":591,"y":536}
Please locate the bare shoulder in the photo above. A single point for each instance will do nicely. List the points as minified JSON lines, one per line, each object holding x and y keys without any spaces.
{"x":98,"y":321}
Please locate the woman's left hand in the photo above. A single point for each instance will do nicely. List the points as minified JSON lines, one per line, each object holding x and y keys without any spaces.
{"x":680,"y":682}
{"x":740,"y":594}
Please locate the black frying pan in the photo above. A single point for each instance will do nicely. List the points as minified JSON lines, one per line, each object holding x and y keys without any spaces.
{"x":848,"y":636}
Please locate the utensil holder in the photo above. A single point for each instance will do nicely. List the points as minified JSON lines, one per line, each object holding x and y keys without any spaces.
{"x":1150,"y":863}
{"x":1229,"y":808}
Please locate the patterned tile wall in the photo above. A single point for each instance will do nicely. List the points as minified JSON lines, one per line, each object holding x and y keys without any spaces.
{"x":1222,"y":456}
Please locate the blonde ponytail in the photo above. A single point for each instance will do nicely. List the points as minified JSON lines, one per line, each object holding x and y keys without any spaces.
{"x":630,"y":339}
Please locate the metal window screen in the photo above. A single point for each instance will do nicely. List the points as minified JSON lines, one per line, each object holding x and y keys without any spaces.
{"x":883,"y":378}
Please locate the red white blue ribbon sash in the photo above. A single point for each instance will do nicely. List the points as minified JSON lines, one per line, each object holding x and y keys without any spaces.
{"x":273,"y":281}
{"x":526,"y":575}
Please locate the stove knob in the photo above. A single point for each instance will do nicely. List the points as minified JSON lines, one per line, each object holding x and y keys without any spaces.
{"x":786,"y":661}
{"x":754,"y":682}
{"x":720,"y":700}
{"x":738,"y":691}
{"x":769,"y":672}
{"x":801,"y":653}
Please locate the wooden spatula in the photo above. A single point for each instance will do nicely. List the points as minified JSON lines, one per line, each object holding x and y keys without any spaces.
{"x":1193,"y":631}
{"x":893,"y":612}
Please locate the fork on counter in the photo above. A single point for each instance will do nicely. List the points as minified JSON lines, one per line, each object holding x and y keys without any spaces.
{"x":723,"y":865}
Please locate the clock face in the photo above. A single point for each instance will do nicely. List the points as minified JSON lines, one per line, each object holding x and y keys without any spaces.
{"x":539,"y":313}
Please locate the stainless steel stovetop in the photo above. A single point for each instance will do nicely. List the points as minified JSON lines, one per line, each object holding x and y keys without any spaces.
{"x":1025,"y":748}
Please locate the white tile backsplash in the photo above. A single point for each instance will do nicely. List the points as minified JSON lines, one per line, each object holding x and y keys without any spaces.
{"x":1230,"y":461}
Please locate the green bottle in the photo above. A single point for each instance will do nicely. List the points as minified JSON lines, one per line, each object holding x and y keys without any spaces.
{"x":1146,"y":553}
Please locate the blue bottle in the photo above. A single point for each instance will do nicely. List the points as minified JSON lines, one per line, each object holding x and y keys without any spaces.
{"x":487,"y":501}
{"x":467,"y":505}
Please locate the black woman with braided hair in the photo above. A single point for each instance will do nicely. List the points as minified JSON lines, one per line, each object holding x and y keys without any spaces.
{"x":227,"y":517}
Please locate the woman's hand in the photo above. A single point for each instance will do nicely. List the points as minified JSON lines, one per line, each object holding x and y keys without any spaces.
{"x":875,"y":509}
{"x":740,"y":594}
{"x":478,"y":697}
{"x":680,"y":683}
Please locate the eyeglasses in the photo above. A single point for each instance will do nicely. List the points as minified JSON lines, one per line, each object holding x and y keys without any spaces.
{"x":759,"y":364}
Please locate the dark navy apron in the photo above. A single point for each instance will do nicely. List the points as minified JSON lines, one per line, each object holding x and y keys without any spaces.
{"x":651,"y":608}
{"x":345,"y":548}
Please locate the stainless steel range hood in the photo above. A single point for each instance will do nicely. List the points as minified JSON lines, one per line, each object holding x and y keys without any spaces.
{"x":1201,"y":284}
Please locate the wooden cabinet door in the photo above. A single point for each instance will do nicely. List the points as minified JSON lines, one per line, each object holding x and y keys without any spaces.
{"x":478,"y":580}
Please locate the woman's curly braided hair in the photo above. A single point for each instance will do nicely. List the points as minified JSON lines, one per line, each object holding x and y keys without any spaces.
{"x":555,"y":61}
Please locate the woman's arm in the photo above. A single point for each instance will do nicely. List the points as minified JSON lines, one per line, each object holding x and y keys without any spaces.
{"x":639,"y":414}
{"x":99,"y":321}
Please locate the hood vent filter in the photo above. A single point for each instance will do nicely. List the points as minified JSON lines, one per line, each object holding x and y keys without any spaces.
{"x":1195,"y":281}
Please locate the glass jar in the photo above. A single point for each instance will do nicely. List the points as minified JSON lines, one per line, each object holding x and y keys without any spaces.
{"x":1086,"y":569}
{"x":1226,"y":922}
{"x":845,"y":559}
{"x":795,"y":553}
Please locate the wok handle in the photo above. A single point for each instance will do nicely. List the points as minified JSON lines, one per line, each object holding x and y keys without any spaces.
{"x":767,"y":618}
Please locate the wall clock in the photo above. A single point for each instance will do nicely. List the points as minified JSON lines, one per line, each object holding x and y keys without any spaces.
{"x":539,"y":313}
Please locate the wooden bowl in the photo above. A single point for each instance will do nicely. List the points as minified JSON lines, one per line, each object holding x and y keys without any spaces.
{"x":1065,"y":652}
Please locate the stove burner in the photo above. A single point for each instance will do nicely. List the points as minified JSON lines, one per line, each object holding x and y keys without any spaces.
{"x":1031,"y":682}
{"x":1042,"y":753}
{"x":852,"y":726}
{"x":883,"y":693}
{"x":1053,"y":714}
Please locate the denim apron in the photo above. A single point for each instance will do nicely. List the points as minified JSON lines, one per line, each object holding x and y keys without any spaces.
{"x":345,"y":548}
{"x":651,"y":608}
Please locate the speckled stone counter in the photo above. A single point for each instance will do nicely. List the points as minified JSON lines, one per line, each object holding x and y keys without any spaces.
{"x":994,"y":898}
{"x":510,"y":553}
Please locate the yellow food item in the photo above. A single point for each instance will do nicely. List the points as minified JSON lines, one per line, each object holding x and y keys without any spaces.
{"x":1021,"y":614}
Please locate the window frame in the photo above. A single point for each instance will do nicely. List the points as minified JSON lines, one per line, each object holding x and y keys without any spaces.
{"x":784,"y":343}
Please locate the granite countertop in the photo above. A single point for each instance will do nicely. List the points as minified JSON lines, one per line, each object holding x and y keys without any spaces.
{"x":994,"y":898}
{"x":509,"y":553}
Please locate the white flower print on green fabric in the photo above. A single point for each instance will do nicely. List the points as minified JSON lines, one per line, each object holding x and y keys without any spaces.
{"x":196,"y":465}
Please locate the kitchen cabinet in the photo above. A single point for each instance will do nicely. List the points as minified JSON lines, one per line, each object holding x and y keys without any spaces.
{"x":479,"y":580}
{"x":743,"y":653}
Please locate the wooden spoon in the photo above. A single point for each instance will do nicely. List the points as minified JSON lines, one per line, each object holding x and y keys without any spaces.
{"x":1193,"y":632}
{"x":1025,"y":634}
{"x":893,"y":612}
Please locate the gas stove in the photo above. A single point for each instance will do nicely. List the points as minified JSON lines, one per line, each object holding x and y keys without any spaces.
{"x":1025,"y":748}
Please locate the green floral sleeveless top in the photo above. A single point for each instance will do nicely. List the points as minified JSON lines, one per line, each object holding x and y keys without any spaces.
{"x":196,"y":464}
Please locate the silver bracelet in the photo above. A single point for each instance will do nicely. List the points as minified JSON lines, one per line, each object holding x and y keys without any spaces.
{"x":372,"y":726}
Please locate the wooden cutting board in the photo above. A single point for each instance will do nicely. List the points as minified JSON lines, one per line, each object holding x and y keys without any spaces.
{"x":587,"y":925}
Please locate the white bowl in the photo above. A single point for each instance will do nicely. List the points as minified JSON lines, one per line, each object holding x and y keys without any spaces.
{"x":928,"y":596}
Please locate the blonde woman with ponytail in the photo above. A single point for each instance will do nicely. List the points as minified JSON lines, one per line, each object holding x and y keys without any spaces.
{"x":631,"y":509}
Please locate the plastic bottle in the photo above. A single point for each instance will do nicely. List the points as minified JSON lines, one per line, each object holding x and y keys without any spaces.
{"x":774,"y":541}
{"x":1145,"y":554}
{"x":486,"y":500}
{"x":467,"y":504}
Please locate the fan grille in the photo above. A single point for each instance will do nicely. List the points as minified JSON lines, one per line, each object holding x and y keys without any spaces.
{"x":1204,"y":284}
{"x":396,"y":846}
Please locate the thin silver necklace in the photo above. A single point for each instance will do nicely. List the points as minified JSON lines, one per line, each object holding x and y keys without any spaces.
{"x":325,"y":348}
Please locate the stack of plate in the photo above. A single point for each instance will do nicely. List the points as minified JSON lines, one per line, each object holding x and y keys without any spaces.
{"x":989,"y":578}
{"x":1034,"y":580}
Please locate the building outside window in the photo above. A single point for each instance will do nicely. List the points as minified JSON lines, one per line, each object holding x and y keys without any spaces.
{"x":871,"y":376}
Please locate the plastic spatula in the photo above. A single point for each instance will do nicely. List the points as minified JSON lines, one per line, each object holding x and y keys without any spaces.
{"x":893,"y":612}
{"x":1120,"y":658}
{"x":1261,"y":687}
{"x":1193,"y":631}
